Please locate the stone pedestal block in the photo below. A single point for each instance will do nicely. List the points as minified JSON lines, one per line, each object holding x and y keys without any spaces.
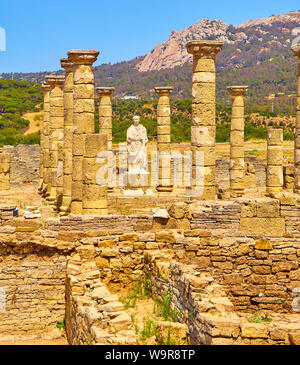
{"x":94,"y":193}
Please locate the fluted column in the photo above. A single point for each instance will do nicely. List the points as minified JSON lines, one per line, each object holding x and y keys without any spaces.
{"x":164,"y":138}
{"x":83,"y":117}
{"x":44,"y":145}
{"x":296,"y":52}
{"x":203,"y":129}
{"x":67,"y":144}
{"x":237,"y":159}
{"x":94,"y":194}
{"x":274,"y":160}
{"x":56,"y":133}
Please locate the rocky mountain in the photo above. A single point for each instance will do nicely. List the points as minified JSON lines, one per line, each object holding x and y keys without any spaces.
{"x":248,"y":43}
{"x":256,"y":53}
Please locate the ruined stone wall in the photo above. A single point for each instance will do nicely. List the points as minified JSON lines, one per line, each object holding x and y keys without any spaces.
{"x":201,"y":303}
{"x":93,"y":314}
{"x":222,"y":171}
{"x":248,"y":264}
{"x":255,"y":268}
{"x":32,"y":282}
{"x":24,"y":163}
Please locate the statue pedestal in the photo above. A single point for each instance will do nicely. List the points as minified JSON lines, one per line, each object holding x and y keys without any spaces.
{"x":138,"y":179}
{"x":137,"y":183}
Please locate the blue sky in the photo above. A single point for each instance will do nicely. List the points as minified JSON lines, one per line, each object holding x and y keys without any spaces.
{"x":39,"y":32}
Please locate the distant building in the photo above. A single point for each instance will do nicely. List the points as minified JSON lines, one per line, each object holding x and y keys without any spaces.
{"x":129,"y":97}
{"x":296,"y":31}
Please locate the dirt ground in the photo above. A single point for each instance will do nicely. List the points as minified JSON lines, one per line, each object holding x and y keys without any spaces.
{"x":54,"y":342}
{"x":34,"y":125}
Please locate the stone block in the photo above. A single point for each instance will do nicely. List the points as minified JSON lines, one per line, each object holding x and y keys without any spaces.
{"x":263,"y":244}
{"x":268,"y":208}
{"x":267,"y":226}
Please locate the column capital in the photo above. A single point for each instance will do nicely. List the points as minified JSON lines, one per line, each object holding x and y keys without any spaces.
{"x":66,"y":64}
{"x":296,"y":49}
{"x":162,"y":90}
{"x":105,"y":90}
{"x":82,"y":56}
{"x":53,"y":80}
{"x":237,"y":90}
{"x":45,"y":86}
{"x":204,"y":48}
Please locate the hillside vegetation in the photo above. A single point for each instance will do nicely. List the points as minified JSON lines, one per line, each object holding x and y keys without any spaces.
{"x":255,"y":124}
{"x":17,"y":98}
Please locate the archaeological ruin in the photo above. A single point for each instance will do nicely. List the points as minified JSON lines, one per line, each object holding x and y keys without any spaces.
{"x":222,"y":242}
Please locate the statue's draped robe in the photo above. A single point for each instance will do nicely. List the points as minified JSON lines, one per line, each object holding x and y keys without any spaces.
{"x":137,"y":150}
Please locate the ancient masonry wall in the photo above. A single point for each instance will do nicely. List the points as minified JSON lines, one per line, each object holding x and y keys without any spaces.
{"x":93,"y":314}
{"x":24,"y":163}
{"x":224,"y":239}
{"x":32,"y":283}
{"x":240,"y":270}
{"x":202,"y":304}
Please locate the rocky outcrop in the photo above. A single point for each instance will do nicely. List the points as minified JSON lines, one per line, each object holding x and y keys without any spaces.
{"x":173,"y":53}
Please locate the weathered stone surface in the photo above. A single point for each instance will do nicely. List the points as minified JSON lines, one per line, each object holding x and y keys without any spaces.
{"x":263,"y":244}
{"x":267,"y":226}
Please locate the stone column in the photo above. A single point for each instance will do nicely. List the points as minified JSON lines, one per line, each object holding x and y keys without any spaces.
{"x":203,"y":130}
{"x":68,"y":132}
{"x":83,"y":117}
{"x":94,"y":194}
{"x":296,"y":52}
{"x":237,"y":160}
{"x":105,"y":113}
{"x":56,"y":133}
{"x":105,"y":126}
{"x":44,"y":154}
{"x":275,"y":160}
{"x":164,"y":138}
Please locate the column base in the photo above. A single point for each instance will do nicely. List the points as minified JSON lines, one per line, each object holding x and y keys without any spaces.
{"x":65,"y":206}
{"x":52,"y":196}
{"x":58,"y":198}
{"x":76,"y":208}
{"x":163,"y":189}
{"x":41,"y":184}
{"x":274,"y":189}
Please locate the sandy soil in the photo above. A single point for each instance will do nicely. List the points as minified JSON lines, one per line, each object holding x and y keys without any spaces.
{"x":56,"y":342}
{"x":35,"y":125}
